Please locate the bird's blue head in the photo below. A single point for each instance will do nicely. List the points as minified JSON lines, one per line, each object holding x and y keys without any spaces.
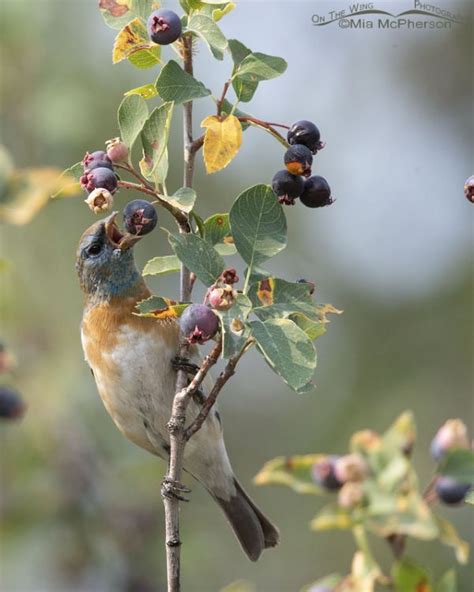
{"x":104,"y":261}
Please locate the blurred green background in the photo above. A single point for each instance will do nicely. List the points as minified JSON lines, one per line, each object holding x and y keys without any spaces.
{"x":80,"y":506}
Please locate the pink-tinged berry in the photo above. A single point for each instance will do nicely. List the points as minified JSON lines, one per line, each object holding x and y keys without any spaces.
{"x":323,"y":473}
{"x":351,"y":467}
{"x":117,"y":151}
{"x":96,"y":160}
{"x":221,"y":297}
{"x":198,"y":323}
{"x":350,"y":495}
{"x":452,"y":434}
{"x":164,"y":26}
{"x":100,"y":178}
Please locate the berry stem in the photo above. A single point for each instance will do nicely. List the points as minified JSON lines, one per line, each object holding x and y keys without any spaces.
{"x":266,"y":126}
{"x":220,"y":102}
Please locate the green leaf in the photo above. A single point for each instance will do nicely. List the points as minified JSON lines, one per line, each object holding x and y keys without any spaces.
{"x":235,"y":331}
{"x":182,"y":199}
{"x":313,"y":329}
{"x":217,"y":228}
{"x":155,"y":133}
{"x":287,"y":349}
{"x":132,"y":114}
{"x":160,"y":308}
{"x":198,"y":256}
{"x":244,"y":89}
{"x":147,"y":91}
{"x":227,"y":109}
{"x":332,"y":517}
{"x":293,"y":471}
{"x":410,"y":577}
{"x":402,"y":434}
{"x":219,"y":13}
{"x":162,"y":265}
{"x":448,"y":582}
{"x":449,"y":536}
{"x":146,"y":57}
{"x":469,"y":499}
{"x":273,"y":297}
{"x":458,"y":464}
{"x":258,"y":225}
{"x":205,"y":28}
{"x":174,"y":84}
{"x":259,"y":66}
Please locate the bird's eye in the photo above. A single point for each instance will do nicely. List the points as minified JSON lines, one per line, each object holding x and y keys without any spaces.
{"x":94,"y":249}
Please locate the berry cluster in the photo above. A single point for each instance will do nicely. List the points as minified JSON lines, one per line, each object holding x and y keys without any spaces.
{"x":289,"y":184}
{"x":99,"y":178}
{"x":164,"y":26}
{"x":344,"y":474}
{"x":451,"y":435}
{"x":199,"y":322}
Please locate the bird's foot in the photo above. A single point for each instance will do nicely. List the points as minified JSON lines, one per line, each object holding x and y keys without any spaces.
{"x":180,"y":363}
{"x":174,"y":490}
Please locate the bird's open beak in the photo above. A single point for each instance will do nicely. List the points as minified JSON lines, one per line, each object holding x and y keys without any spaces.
{"x":115,"y":237}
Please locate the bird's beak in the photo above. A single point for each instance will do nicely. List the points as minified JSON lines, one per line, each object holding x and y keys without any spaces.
{"x":115,"y":237}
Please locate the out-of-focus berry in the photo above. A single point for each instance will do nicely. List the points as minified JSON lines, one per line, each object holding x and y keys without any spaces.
{"x":350,"y":495}
{"x":450,"y":491}
{"x":351,"y":467}
{"x":11,"y":405}
{"x":323,"y":473}
{"x":469,"y":189}
{"x":452,"y":434}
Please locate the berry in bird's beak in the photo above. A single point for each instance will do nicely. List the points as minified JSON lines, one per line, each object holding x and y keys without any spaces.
{"x":116,"y":238}
{"x":139,"y":217}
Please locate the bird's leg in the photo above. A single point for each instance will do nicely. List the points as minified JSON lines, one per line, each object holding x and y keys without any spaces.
{"x":180,"y":363}
{"x":173,"y":489}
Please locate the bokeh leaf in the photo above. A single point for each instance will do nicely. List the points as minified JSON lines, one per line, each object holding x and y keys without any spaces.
{"x":327,"y":583}
{"x":68,"y":182}
{"x":408,"y":576}
{"x":162,"y":265}
{"x":174,"y":84}
{"x":287,"y":349}
{"x":222,"y":141}
{"x":132,"y":114}
{"x":160,"y":308}
{"x":293,"y":471}
{"x":448,"y":582}
{"x":401,"y":434}
{"x":448,"y":536}
{"x":155,"y":133}
{"x":205,"y":28}
{"x":332,"y":517}
{"x":258,"y":225}
{"x":198,"y":256}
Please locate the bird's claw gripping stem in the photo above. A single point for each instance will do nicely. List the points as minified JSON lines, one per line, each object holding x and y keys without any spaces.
{"x":173,"y":489}
{"x":180,"y":363}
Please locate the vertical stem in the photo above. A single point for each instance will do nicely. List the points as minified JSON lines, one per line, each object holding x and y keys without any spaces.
{"x":176,"y":425}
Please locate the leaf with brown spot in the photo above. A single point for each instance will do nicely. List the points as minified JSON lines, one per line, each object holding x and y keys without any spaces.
{"x":132,"y":43}
{"x":222,"y":141}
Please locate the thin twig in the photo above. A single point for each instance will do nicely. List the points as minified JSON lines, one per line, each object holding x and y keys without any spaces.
{"x":228,"y":371}
{"x":220,"y":102}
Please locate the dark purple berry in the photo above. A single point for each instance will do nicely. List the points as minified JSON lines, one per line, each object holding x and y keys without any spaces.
{"x":316,"y":193}
{"x":311,"y":285}
{"x":139,"y":217}
{"x":97,"y":159}
{"x":100,"y":178}
{"x":298,"y":160}
{"x":287,"y":187}
{"x":305,"y":132}
{"x":451,"y":491}
{"x":164,"y":26}
{"x":198,"y":323}
{"x":11,"y":405}
{"x":323,"y":473}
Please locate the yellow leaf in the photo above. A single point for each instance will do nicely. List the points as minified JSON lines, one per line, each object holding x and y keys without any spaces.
{"x":133,"y":37}
{"x":222,"y":141}
{"x":29,"y":191}
{"x":218,"y":13}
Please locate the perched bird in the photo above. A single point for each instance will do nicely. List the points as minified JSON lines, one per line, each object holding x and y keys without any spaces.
{"x":132,"y":357}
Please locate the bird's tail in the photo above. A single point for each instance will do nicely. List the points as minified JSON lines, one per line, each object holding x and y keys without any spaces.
{"x":253,"y":530}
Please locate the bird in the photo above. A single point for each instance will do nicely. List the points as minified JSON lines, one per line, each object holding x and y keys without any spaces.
{"x":132,"y":361}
